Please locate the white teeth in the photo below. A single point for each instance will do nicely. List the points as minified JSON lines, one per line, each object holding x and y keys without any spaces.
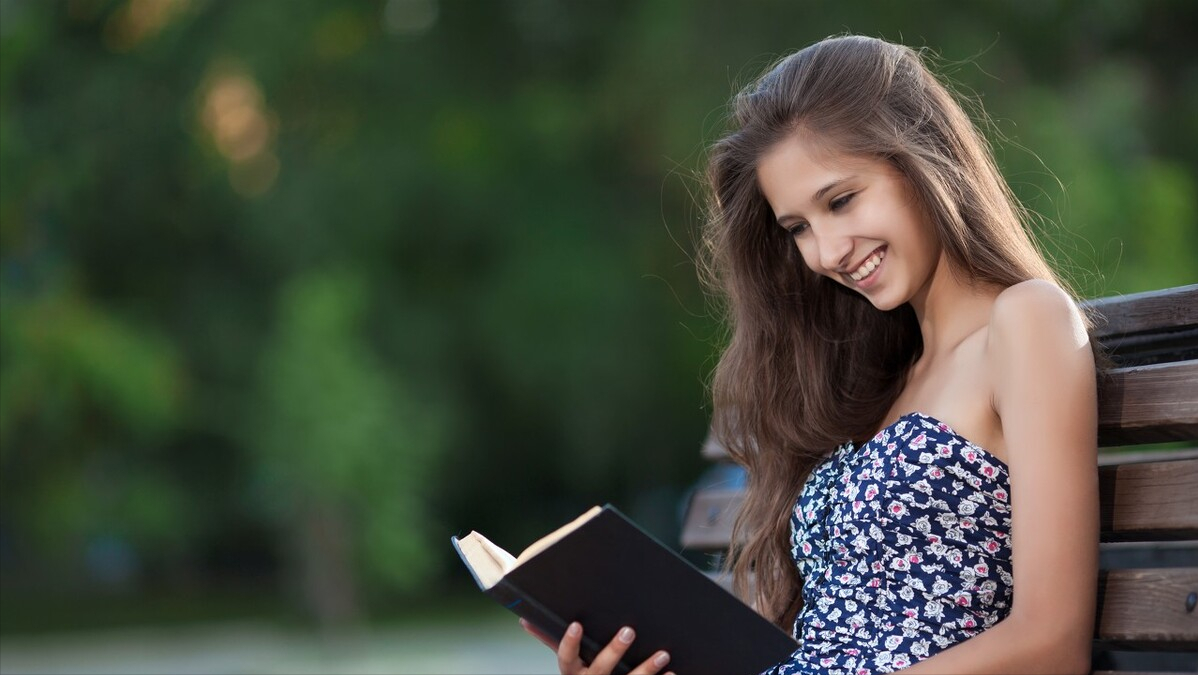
{"x":868,"y":266}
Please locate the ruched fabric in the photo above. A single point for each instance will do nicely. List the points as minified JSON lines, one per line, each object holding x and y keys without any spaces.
{"x":903,"y":545}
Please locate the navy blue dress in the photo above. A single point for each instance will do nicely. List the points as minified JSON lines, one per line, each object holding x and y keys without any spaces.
{"x":904,"y":549}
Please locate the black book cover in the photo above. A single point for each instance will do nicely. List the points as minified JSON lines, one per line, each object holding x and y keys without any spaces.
{"x":609,"y":573}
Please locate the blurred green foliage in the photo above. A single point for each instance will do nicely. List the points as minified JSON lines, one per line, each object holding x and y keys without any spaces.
{"x":336,"y":433}
{"x":294,"y":289}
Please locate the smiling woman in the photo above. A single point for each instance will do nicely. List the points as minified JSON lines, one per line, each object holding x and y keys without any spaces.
{"x":895,"y":337}
{"x":883,"y":287}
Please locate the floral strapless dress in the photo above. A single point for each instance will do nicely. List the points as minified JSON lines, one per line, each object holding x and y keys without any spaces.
{"x":904,"y":549}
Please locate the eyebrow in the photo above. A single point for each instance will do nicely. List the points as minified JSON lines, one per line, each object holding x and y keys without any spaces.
{"x":819,"y":194}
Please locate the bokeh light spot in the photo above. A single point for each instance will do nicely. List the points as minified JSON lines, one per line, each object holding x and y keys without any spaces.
{"x":242,"y":128}
{"x":136,"y":21}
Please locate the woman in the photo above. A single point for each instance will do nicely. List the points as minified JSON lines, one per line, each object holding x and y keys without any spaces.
{"x":910,"y":390}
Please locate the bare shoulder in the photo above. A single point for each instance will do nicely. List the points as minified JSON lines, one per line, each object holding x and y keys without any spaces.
{"x":1037,"y":339}
{"x":1039,"y":311}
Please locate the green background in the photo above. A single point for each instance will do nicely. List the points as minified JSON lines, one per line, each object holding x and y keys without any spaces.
{"x":293,"y":290}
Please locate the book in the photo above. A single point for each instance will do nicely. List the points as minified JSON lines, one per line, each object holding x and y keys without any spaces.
{"x":605,"y":572}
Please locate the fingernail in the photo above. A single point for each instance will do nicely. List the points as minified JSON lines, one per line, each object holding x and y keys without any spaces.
{"x":626,"y":635}
{"x":575,"y":629}
{"x":661,"y":659}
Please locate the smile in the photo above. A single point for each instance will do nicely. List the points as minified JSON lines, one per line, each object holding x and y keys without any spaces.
{"x":871,"y":263}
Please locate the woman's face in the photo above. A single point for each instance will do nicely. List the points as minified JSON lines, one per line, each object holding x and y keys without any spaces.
{"x":855,"y":220}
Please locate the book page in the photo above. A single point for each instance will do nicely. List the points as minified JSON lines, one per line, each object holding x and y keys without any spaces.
{"x":488,"y":561}
{"x":551,"y":538}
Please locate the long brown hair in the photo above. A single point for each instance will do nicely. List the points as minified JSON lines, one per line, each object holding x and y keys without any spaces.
{"x":810,"y":364}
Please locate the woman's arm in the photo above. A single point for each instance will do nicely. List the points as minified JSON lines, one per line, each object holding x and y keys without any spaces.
{"x":1044,"y":391}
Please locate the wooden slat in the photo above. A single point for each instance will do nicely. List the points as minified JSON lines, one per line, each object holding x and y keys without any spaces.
{"x":1167,"y":309}
{"x":1148,"y":404}
{"x":1151,"y":348}
{"x":1149,"y":502}
{"x":708,"y":524}
{"x":1146,"y":328}
{"x":1147,"y":609}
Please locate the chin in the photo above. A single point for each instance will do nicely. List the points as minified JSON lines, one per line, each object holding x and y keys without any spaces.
{"x":885,"y":303}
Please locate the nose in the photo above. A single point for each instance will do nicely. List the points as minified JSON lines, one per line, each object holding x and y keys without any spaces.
{"x":833,"y":250}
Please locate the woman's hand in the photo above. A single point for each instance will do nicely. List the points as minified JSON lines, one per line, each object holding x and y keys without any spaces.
{"x":570,"y":663}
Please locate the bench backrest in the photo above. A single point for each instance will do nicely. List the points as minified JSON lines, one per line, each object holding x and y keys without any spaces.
{"x":1148,"y":498}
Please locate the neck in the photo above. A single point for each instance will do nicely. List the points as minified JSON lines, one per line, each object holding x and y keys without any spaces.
{"x":949,"y":309}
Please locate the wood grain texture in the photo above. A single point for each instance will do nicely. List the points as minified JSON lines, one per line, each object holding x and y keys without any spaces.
{"x":1147,"y":608}
{"x":1152,"y":501}
{"x":1163,"y":310}
{"x":1148,"y":404}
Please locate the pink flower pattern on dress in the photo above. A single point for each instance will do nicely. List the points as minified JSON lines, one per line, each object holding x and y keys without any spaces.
{"x":904,"y":549}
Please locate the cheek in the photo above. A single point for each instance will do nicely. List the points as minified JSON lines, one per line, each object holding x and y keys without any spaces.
{"x":805,"y":254}
{"x":930,"y":249}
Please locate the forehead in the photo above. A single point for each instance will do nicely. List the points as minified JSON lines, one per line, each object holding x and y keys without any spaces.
{"x":796,"y":167}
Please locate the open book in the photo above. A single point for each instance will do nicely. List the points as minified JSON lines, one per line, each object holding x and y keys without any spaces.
{"x":605,"y":572}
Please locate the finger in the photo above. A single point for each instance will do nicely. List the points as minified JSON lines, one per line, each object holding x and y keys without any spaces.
{"x":536,"y":632}
{"x":607,"y":659}
{"x":652,"y":665}
{"x":568,"y":660}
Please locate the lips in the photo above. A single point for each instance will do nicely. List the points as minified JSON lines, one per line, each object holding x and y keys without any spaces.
{"x":868,"y":265}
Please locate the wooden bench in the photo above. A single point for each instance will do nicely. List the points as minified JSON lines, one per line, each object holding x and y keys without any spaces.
{"x":1148,"y":584}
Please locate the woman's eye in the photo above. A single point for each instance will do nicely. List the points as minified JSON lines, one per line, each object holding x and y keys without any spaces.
{"x":797,"y":229}
{"x":840,"y":202}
